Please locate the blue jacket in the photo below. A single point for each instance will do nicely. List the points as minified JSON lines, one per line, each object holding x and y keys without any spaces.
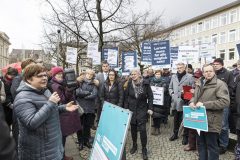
{"x":40,"y":135}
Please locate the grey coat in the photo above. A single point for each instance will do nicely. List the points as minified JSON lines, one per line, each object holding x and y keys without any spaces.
{"x":40,"y":135}
{"x":176,"y":88}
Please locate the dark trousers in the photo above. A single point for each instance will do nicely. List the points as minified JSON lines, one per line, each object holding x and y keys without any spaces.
{"x":192,"y":138}
{"x":87,"y":121}
{"x":208,"y":148}
{"x":143,"y":134}
{"x":156,"y":122}
{"x":178,"y":117}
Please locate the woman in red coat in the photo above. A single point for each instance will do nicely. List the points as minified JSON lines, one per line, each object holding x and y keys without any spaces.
{"x":70,"y":121}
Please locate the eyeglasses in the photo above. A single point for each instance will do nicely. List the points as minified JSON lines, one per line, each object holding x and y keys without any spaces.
{"x":42,"y":75}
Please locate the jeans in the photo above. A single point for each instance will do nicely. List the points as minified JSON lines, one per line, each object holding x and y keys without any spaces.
{"x":224,"y":135}
{"x":207,"y":144}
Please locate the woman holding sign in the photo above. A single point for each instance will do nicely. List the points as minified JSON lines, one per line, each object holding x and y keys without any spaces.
{"x":139,"y":100}
{"x":160,"y":108}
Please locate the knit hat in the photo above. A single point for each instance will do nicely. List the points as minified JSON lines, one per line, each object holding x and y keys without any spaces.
{"x":219,"y":60}
{"x":198,"y":74}
{"x":56,"y":70}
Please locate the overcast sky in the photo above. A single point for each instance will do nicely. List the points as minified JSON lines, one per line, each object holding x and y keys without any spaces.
{"x":21,"y":19}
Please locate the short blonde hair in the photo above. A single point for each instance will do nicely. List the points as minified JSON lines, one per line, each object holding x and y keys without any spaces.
{"x":136,"y":70}
{"x":90,"y":71}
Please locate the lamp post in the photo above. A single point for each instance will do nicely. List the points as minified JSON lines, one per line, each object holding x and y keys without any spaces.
{"x":58,"y":42}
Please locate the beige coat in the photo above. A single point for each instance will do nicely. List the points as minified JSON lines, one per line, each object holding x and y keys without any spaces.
{"x":215,"y":97}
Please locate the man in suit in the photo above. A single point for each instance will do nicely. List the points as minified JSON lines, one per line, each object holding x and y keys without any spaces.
{"x":101,"y":77}
{"x":180,"y":79}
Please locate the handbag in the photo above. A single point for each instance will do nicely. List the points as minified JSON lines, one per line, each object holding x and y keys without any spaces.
{"x":80,"y":109}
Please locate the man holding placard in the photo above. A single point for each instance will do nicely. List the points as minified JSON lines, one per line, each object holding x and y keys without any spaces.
{"x":213,"y":94}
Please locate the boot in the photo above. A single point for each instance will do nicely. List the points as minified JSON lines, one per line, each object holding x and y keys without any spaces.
{"x":157,"y":131}
{"x":185,"y":140}
{"x":133,"y":149}
{"x":154,"y":131}
{"x":144,"y":154}
{"x":174,"y":137}
{"x":80,"y":143}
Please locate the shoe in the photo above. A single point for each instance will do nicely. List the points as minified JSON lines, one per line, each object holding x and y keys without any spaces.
{"x":154,"y":131}
{"x":184,"y":141}
{"x":222,"y":150}
{"x":68,"y":158}
{"x":144,"y":154}
{"x":87,"y":144}
{"x":174,"y":137}
{"x":133,"y":149}
{"x":80,"y":148}
{"x":94,"y":127}
{"x":188,"y":148}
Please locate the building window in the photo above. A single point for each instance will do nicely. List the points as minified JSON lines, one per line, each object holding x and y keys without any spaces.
{"x":222,"y":37}
{"x":206,"y":39}
{"x":199,"y":40}
{"x":232,"y":35}
{"x":233,"y":16}
{"x":214,"y":38}
{"x":223,"y":19}
{"x":222,"y":54}
{"x":215,"y":22}
{"x":194,"y":29}
{"x":207,"y":25}
{"x":193,"y":42}
{"x":188,"y":31}
{"x":231,"y":54}
{"x":200,"y":26}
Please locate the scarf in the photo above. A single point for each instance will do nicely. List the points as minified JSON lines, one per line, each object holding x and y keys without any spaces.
{"x":138,"y":88}
{"x":180,"y":75}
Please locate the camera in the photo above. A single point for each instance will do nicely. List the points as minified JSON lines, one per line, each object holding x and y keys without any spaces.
{"x":70,"y":78}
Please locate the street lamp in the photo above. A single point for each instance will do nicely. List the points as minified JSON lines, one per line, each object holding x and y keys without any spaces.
{"x":58,"y":49}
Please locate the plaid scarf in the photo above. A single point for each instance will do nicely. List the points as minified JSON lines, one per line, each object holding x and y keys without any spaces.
{"x":138,"y":87}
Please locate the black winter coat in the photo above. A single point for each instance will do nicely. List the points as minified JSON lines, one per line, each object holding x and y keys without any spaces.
{"x":114,"y":95}
{"x":40,"y":135}
{"x":237,"y":104}
{"x":140,"y":105}
{"x":86,"y":95}
{"x":161,"y":111}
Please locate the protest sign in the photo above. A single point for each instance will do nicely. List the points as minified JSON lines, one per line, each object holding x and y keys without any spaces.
{"x":146,"y":57}
{"x":111,"y":133}
{"x":188,"y":54}
{"x":158,"y":95}
{"x":71,"y":55}
{"x":161,"y":54}
{"x":92,"y":49}
{"x":129,"y":61}
{"x":195,"y":119}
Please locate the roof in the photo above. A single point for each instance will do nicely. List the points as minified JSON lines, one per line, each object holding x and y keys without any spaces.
{"x":27,"y":51}
{"x":5,"y":37}
{"x":202,"y":16}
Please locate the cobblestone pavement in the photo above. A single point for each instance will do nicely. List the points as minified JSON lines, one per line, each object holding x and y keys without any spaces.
{"x":160,"y":148}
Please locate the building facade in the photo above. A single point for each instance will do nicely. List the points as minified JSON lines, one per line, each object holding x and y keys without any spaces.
{"x":219,"y":28}
{"x":4,"y":49}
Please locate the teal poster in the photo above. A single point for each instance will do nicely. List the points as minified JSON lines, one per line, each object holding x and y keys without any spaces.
{"x":111,"y":133}
{"x":195,"y":119}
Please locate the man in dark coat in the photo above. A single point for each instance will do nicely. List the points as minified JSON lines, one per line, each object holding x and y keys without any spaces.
{"x":227,"y":77}
{"x":237,"y":115}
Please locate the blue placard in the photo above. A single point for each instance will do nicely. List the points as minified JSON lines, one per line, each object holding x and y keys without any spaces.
{"x":161,"y":54}
{"x":146,"y":57}
{"x":195,"y":119}
{"x":238,"y":48}
{"x":174,"y":54}
{"x":129,"y":61}
{"x":111,"y":133}
{"x":105,"y":55}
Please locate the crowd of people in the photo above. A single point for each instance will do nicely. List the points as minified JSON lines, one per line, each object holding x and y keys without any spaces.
{"x":42,"y":110}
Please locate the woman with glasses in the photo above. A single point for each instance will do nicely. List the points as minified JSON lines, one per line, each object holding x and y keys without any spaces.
{"x":37,"y":112}
{"x":70,"y":121}
{"x":112,"y":90}
{"x":86,"y":95}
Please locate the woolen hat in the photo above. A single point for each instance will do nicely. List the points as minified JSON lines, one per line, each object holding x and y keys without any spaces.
{"x":56,"y":70}
{"x":219,"y":60}
{"x":198,"y":74}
